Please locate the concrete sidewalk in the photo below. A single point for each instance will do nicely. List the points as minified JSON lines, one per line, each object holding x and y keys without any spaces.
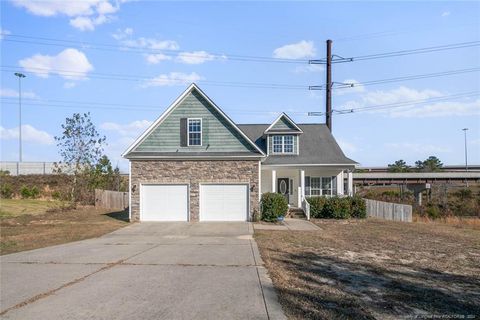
{"x":144,"y":271}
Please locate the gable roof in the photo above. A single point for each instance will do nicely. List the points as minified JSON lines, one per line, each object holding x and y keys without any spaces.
{"x":289,"y":125}
{"x":317,"y":146}
{"x":193,"y":87}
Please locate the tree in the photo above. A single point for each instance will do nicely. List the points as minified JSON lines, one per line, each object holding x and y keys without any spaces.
{"x":104,"y":176}
{"x":430,"y":164}
{"x":81,"y":146}
{"x":399,"y":166}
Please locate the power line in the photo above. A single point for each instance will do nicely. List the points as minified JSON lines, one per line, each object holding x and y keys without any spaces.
{"x":398,"y":79}
{"x":153,"y":80}
{"x":133,"y":49}
{"x":391,"y":54}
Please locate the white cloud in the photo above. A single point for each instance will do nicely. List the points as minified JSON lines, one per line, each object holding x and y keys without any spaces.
{"x":131,"y":129}
{"x":4,"y":32}
{"x":171,"y":79}
{"x":10,"y":93}
{"x":418,"y":148}
{"x":156,"y":58}
{"x":122,"y":34}
{"x":195,"y":57}
{"x":299,"y":50}
{"x":85,"y":15}
{"x":440,"y":109}
{"x":29,"y":134}
{"x":445,"y":13}
{"x":71,"y":60}
{"x":415,"y":104}
{"x":69,"y":85}
{"x":309,"y":68}
{"x":348,"y":88}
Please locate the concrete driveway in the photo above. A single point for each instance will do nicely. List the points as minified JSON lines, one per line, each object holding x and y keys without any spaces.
{"x":143,"y":271}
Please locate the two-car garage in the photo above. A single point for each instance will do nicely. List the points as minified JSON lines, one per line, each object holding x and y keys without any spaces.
{"x":171,"y":202}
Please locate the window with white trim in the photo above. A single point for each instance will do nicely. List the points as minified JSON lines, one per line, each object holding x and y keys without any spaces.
{"x":194,"y":132}
{"x":283,"y":144}
{"x":315,"y":186}
{"x":277,"y":144}
{"x":321,"y":186}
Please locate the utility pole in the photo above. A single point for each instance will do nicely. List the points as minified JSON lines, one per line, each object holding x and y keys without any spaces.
{"x":20,"y":76}
{"x":465,"y":138}
{"x":328,"y":88}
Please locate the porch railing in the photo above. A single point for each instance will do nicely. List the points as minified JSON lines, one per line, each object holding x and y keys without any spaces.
{"x":306,"y":207}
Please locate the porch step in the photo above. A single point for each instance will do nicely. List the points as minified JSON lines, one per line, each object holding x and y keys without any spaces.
{"x":296,"y":213}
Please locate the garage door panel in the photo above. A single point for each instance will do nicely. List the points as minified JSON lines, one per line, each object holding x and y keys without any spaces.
{"x":223,"y":202}
{"x":164,"y":203}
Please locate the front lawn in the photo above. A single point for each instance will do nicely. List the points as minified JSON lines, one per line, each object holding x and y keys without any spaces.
{"x":373,"y":269}
{"x":31,"y":224}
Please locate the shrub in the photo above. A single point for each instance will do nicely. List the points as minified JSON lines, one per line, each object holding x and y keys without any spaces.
{"x":464,"y":193}
{"x":34,"y":192}
{"x":316,"y":206}
{"x":359,"y":207}
{"x":6,"y":191}
{"x":273,"y":205}
{"x":433,"y":212}
{"x":25,"y":192}
{"x":337,"y":208}
{"x":56,"y":195}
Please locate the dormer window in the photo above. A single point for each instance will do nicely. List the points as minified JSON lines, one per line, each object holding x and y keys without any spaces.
{"x":194,"y":132}
{"x":283,"y":144}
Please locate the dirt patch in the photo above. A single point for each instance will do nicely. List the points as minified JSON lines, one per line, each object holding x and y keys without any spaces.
{"x":371,"y":269}
{"x":26,"y":231}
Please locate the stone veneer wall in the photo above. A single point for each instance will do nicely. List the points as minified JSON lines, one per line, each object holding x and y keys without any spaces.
{"x":194,"y":173}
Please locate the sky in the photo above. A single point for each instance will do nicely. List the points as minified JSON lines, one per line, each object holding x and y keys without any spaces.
{"x":125,"y":62}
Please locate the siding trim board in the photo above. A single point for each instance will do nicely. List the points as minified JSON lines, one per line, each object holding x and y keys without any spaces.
{"x":286,"y":125}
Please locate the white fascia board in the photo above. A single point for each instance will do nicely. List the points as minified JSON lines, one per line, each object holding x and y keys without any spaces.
{"x":288,"y":118}
{"x":174,"y":105}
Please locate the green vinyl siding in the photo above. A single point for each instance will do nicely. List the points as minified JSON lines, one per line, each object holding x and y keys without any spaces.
{"x":270,"y":143}
{"x":283,"y":124}
{"x":218,"y":135}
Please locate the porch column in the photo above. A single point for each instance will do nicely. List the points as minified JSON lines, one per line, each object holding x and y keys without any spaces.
{"x":302,"y":183}
{"x":274,"y":181}
{"x":350,"y":183}
{"x":340,"y":184}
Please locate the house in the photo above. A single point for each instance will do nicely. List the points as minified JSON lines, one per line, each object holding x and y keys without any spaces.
{"x":195,"y":164}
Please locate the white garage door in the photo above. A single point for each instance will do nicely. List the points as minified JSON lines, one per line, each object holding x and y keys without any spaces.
{"x":223,"y":202}
{"x":162,"y":202}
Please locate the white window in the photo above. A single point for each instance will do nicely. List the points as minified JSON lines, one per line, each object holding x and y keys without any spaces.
{"x":315,"y":187}
{"x":282,"y":144}
{"x":326,"y":186}
{"x":194,"y":132}
{"x":321,"y":186}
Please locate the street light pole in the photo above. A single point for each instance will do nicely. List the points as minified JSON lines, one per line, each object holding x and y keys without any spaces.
{"x":466,"y":158}
{"x":20,"y":76}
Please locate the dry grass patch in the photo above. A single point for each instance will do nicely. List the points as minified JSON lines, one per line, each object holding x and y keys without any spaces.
{"x":32,"y":224}
{"x":372,"y":269}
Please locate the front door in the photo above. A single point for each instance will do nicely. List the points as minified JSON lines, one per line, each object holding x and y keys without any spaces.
{"x":283,"y":187}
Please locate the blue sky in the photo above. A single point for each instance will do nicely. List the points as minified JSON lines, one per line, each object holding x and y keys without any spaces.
{"x":159,"y":47}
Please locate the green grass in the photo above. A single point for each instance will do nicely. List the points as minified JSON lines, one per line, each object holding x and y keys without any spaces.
{"x":16,"y":207}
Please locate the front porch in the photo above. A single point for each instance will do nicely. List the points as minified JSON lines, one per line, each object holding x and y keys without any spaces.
{"x":297,"y":183}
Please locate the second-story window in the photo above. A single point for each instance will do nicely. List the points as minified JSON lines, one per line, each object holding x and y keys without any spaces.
{"x":283,"y":144}
{"x":194,"y":132}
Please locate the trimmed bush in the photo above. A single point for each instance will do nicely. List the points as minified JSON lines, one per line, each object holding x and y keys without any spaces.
{"x":6,"y":191}
{"x":337,"y":208}
{"x":273,"y":205}
{"x":359,"y":207}
{"x":316,"y":206}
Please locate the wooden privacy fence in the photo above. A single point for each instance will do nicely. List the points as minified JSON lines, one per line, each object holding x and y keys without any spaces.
{"x":111,"y":199}
{"x":389,"y":211}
